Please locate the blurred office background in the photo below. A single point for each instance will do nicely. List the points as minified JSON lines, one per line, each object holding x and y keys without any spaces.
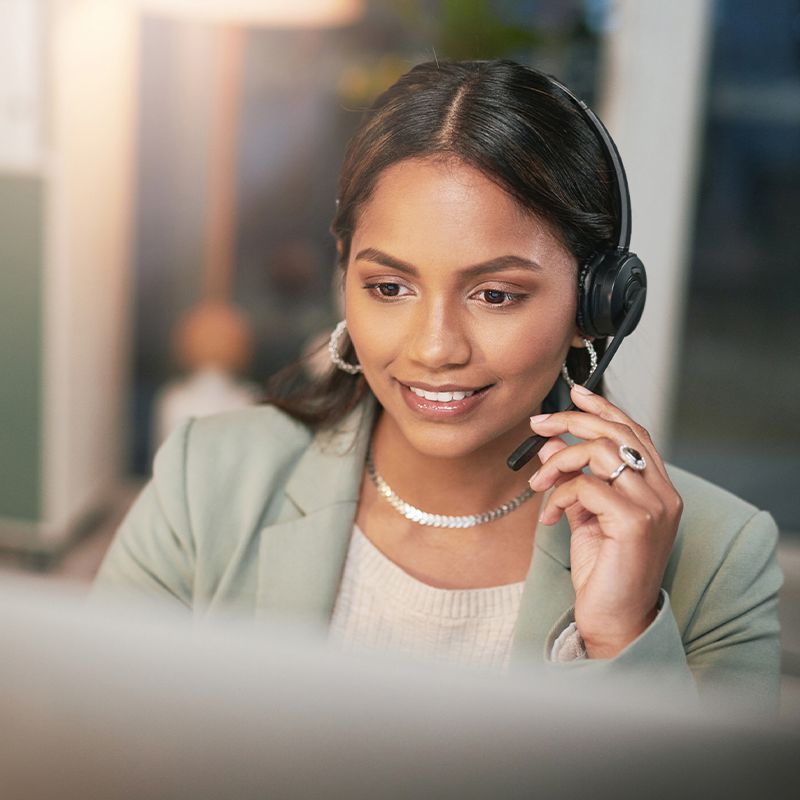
{"x":168,"y":174}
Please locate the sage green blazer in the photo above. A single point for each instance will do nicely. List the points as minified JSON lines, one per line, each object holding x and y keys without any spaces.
{"x":248,"y":511}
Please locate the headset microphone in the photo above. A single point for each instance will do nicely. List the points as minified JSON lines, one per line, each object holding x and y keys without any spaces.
{"x":612,"y":284}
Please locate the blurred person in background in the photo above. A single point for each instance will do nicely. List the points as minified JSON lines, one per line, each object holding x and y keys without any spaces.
{"x":375,"y":499}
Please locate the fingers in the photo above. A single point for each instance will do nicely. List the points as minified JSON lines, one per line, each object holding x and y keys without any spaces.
{"x":601,"y":456}
{"x":605,"y":409}
{"x":601,"y":422}
{"x":553,"y":446}
{"x":616,"y":513}
{"x":600,"y":418}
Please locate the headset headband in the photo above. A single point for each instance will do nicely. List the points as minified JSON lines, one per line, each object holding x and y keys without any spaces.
{"x":623,"y":217}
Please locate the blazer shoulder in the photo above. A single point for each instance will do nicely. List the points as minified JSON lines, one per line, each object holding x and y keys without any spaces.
{"x":264,"y":424}
{"x":229,"y":465}
{"x":700,"y":495}
{"x":236,"y":442}
{"x":717,"y":528}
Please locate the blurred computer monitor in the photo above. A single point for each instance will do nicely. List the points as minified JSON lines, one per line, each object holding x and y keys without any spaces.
{"x":124,"y":702}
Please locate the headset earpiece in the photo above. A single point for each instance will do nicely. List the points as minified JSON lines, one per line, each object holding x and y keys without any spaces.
{"x":607,"y":286}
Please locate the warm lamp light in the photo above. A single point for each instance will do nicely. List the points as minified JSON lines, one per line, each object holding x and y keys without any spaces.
{"x":271,"y":13}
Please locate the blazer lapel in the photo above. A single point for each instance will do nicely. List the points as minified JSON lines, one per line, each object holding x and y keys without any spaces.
{"x":301,"y":562}
{"x":301,"y":558}
{"x":548,"y":591}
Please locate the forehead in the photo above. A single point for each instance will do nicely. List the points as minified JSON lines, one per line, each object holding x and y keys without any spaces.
{"x":423,"y":209}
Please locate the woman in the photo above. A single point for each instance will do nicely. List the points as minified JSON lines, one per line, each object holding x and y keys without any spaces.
{"x":470,"y":196}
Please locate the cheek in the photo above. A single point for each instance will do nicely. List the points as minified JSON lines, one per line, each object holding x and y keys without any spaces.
{"x":367,"y":326}
{"x":533,"y":354}
{"x":537,"y":343}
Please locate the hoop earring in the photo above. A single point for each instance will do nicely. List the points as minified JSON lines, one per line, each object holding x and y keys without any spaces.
{"x":592,"y":363}
{"x":333,"y":350}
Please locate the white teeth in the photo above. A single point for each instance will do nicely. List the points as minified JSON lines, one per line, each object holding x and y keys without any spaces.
{"x":441,"y":397}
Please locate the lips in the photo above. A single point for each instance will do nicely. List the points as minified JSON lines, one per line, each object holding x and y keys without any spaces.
{"x":442,"y":402}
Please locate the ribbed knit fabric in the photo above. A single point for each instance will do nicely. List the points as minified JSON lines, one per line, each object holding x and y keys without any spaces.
{"x":382,"y":608}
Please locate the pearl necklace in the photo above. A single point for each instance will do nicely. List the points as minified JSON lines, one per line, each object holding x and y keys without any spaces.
{"x":440,"y":520}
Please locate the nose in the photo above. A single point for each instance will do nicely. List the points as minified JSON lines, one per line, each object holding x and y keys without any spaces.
{"x":439,"y":336}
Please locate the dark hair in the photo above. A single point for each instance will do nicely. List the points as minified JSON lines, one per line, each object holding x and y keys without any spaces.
{"x":509,"y":122}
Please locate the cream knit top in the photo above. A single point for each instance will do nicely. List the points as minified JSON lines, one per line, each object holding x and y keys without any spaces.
{"x":380,"y":607}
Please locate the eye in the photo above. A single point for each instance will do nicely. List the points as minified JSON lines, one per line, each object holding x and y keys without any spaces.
{"x":385,"y":288}
{"x":494,"y":296}
{"x":498,"y":297}
{"x":389,"y":289}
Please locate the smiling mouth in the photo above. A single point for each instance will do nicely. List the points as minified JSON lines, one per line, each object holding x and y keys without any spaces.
{"x":445,"y":397}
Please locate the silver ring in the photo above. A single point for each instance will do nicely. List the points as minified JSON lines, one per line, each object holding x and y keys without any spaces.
{"x":630,"y":458}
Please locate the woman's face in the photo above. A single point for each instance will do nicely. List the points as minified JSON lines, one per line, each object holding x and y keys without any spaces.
{"x":460,"y":306}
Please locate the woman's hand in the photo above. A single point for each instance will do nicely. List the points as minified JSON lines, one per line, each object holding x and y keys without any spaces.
{"x":622,"y":533}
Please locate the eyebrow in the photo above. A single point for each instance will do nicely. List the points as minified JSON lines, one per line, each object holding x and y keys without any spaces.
{"x":493,"y":265}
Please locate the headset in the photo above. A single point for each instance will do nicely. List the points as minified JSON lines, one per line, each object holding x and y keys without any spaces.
{"x":612,"y":283}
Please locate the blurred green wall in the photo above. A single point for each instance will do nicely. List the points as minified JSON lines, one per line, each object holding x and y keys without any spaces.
{"x":21,"y":198}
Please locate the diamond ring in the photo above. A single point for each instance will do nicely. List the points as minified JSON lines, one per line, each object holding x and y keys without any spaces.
{"x":630,"y":458}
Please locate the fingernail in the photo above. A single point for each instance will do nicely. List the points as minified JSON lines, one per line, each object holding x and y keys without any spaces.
{"x":539,"y":418}
{"x":581,"y":389}
{"x":533,"y":478}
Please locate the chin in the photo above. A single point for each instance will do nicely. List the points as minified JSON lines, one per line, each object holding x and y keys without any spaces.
{"x":463,"y":441}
